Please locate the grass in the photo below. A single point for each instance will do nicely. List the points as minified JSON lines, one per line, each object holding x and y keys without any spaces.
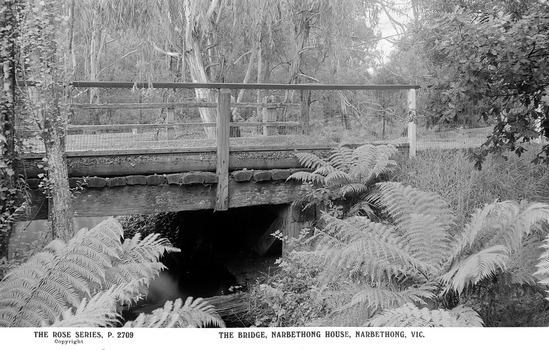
{"x":451,"y":174}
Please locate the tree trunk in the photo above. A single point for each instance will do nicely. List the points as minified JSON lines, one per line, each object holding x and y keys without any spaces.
{"x":50,"y":66}
{"x":60,"y":209}
{"x":96,"y":45}
{"x":301,"y":36}
{"x":195,"y":63}
{"x":198,"y":75}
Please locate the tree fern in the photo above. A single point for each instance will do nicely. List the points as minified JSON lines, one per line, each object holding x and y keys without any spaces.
{"x":347,"y":172}
{"x":192,"y":313}
{"x":374,"y":248}
{"x":494,"y":235}
{"x":411,"y":256}
{"x":83,"y":279}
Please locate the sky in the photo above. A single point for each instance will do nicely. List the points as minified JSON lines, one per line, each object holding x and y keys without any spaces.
{"x":388,"y":30}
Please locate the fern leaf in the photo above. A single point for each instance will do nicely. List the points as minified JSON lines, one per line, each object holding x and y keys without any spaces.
{"x":193,"y":313}
{"x":310,"y":160}
{"x":401,"y":201}
{"x":353,"y":189}
{"x":99,"y":311}
{"x":342,"y":159}
{"x":372,"y":246}
{"x":476,"y":267}
{"x":304,"y":176}
{"x":372,"y":161}
{"x":59,"y":277}
{"x":522,"y":263}
{"x":543,"y":265}
{"x":427,"y":239}
{"x":337,"y":177}
{"x":377,"y":298}
{"x":409,"y":315}
{"x":499,"y":223}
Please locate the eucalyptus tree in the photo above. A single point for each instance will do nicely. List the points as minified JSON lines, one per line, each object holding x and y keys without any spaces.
{"x":239,"y":41}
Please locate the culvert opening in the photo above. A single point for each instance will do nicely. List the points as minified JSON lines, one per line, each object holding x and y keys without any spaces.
{"x":221,"y":253}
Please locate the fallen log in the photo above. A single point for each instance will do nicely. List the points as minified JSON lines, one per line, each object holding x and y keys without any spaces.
{"x":233,"y":309}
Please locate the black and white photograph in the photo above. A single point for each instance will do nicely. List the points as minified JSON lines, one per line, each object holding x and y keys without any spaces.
{"x":274,"y":173}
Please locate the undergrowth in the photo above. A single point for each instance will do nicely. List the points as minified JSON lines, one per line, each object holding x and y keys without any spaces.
{"x":466,"y":258}
{"x":451,"y":174}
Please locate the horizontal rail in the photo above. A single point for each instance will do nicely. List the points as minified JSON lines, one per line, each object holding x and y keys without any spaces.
{"x":153,"y":126}
{"x":174,"y":85}
{"x":86,"y":106}
{"x":160,"y":126}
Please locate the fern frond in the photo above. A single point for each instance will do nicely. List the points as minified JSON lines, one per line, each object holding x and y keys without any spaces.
{"x":337,"y":177}
{"x":310,"y":160}
{"x":99,"y":311}
{"x":59,"y":277}
{"x":500,"y":223}
{"x":427,"y":239}
{"x":467,"y":316}
{"x":194,"y":313}
{"x":543,"y":265}
{"x":373,"y":247}
{"x":522,"y":263}
{"x":372,"y":161}
{"x":352,"y":189}
{"x":305,"y":176}
{"x":378,"y":297}
{"x":476,"y":267}
{"x":401,"y":201}
{"x":342,"y":158}
{"x":409,"y":315}
{"x":40,"y":291}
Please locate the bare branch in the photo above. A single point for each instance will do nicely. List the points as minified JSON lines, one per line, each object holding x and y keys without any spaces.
{"x":168,"y":53}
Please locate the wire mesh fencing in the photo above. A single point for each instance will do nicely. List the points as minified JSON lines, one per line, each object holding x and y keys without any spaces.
{"x":185,"y":116}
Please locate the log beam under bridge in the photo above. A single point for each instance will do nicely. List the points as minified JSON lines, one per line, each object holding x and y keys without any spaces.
{"x":140,"y":194}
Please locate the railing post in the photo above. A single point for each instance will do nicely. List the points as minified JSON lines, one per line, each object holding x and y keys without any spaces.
{"x":305,"y":96}
{"x":412,"y":137}
{"x":170,"y":119}
{"x":269,"y":115}
{"x":222,"y":169}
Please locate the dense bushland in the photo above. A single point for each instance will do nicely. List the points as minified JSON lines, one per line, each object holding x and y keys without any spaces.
{"x":423,"y":258}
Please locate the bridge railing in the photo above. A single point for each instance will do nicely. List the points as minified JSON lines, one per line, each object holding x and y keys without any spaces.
{"x":114,"y":116}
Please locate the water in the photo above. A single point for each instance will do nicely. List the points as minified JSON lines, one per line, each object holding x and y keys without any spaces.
{"x":28,"y":234}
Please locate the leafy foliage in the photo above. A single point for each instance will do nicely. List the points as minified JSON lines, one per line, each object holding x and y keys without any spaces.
{"x":176,"y":314}
{"x":12,"y":191}
{"x":411,"y":258}
{"x":543,"y":266}
{"x":409,"y":315}
{"x":493,"y":60}
{"x":346,"y":174}
{"x":290,"y":298}
{"x":86,"y":281}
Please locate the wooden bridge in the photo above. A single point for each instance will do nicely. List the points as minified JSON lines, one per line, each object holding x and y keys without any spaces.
{"x":161,"y":161}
